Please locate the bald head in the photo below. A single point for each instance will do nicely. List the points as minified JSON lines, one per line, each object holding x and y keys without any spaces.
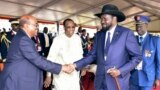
{"x":29,"y":24}
{"x":26,"y":19}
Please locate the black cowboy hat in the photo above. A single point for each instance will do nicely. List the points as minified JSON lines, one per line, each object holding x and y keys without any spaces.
{"x":112,"y":10}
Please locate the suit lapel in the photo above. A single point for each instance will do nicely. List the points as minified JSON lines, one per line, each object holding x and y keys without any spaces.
{"x":145,"y":39}
{"x":145,"y":42}
{"x":116,"y":35}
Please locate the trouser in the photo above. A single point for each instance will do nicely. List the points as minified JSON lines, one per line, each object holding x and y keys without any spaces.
{"x":136,"y":87}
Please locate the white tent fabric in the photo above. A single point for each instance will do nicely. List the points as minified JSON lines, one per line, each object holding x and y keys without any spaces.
{"x":82,"y":11}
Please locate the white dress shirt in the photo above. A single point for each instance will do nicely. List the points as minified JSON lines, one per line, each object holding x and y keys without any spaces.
{"x":46,"y":40}
{"x":111,"y":31}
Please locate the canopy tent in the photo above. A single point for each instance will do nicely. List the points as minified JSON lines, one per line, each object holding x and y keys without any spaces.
{"x":81,"y":11}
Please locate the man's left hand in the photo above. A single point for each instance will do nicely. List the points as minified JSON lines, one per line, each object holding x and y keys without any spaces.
{"x":114,"y":72}
{"x":156,"y":83}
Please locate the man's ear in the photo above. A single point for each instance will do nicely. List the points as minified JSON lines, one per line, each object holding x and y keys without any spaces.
{"x":25,"y":26}
{"x":114,"y":17}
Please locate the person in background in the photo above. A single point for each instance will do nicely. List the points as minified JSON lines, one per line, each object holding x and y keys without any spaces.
{"x":23,"y":66}
{"x":66,"y":49}
{"x":38,"y":42}
{"x":45,"y":42}
{"x":51,"y":36}
{"x":79,"y":31}
{"x":6,"y":37}
{"x":84,"y":40}
{"x":115,"y":50}
{"x":147,"y":73}
{"x":88,"y":73}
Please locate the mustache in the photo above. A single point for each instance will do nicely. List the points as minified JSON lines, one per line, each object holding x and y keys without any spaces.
{"x":106,"y":28}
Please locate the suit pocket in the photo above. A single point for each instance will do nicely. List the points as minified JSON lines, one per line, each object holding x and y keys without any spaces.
{"x":10,"y":83}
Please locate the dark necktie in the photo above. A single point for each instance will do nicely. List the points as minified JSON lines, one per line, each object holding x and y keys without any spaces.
{"x":107,"y":44}
{"x":37,"y":42}
{"x":140,"y":41}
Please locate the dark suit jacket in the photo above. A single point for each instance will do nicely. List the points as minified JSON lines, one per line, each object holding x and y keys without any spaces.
{"x":84,"y":45}
{"x":23,"y":67}
{"x":4,"y":49}
{"x":43,"y":43}
{"x":43,"y":40}
{"x":123,"y":53}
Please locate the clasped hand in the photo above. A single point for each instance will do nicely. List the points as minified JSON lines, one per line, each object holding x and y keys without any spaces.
{"x":68,"y":68}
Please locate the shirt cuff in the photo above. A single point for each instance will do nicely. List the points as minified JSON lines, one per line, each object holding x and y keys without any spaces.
{"x":49,"y":74}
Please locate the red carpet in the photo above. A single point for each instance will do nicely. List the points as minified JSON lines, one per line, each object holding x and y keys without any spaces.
{"x":157,"y":88}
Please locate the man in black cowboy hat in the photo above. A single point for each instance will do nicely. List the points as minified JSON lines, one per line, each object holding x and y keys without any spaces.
{"x":116,"y":51}
{"x":7,"y":37}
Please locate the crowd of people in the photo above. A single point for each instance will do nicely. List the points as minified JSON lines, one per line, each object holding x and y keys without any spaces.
{"x":114,"y":59}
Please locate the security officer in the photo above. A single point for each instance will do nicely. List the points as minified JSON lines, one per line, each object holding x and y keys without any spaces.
{"x":147,"y":73}
{"x":6,"y":37}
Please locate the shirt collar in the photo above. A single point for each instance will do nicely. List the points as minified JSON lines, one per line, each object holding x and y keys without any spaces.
{"x":14,"y":32}
{"x":112,"y":29}
{"x":143,"y":36}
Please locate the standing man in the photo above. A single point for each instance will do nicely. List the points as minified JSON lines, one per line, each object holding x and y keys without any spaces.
{"x":66,"y":49}
{"x":84,"y":40}
{"x":7,"y":37}
{"x":79,"y":31}
{"x":116,"y":51}
{"x":147,"y":73}
{"x":45,"y":42}
{"x":23,"y":67}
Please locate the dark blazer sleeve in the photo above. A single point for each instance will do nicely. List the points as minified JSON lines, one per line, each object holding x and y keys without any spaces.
{"x":28,"y":51}
{"x":134,"y":52}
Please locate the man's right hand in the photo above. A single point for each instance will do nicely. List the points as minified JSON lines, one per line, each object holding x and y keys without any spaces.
{"x":47,"y":81}
{"x":83,"y":72}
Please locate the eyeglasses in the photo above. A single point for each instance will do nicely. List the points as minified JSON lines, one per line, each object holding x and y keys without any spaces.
{"x":35,"y":25}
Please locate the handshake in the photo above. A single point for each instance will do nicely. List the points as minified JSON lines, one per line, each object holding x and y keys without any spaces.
{"x":68,"y":68}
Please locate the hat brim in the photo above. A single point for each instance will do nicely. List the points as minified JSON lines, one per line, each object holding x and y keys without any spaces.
{"x":120,"y":16}
{"x":139,"y":23}
{"x":15,"y":22}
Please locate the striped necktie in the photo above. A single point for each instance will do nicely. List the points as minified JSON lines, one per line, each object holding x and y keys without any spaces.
{"x":140,"y":40}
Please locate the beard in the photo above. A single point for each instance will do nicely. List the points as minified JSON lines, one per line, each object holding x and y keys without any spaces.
{"x":106,"y":28}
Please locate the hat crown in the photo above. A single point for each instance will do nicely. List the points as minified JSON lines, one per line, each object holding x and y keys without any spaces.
{"x":109,"y":7}
{"x":112,"y":10}
{"x":142,"y":18}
